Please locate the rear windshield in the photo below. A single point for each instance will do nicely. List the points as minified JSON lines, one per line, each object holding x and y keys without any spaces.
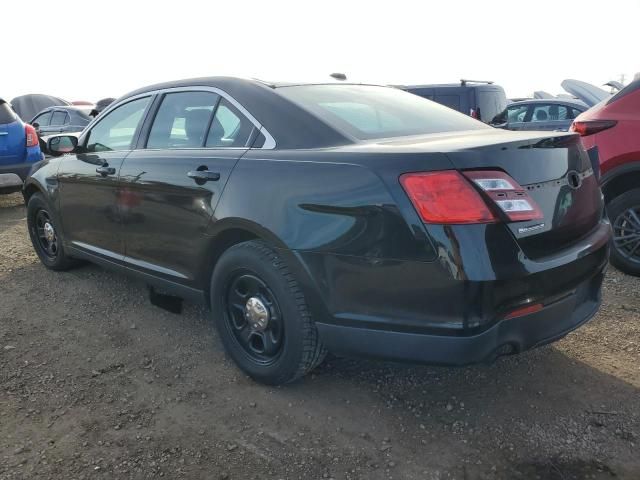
{"x":370,"y":112}
{"x":6,"y":114}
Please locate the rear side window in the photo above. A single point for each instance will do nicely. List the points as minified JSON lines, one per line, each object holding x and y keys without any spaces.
{"x":229,"y":127}
{"x":369,"y":112}
{"x":43,"y":120}
{"x":58,"y":118}
{"x":182,"y":120}
{"x":490,"y":102}
{"x":6,"y":114}
{"x":116,"y":130}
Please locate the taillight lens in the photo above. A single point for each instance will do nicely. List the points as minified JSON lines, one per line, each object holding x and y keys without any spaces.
{"x":591,"y":126}
{"x":507,"y":194}
{"x":446,"y":197}
{"x":31,"y":135}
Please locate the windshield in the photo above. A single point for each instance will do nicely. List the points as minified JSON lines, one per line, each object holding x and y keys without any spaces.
{"x":370,"y":112}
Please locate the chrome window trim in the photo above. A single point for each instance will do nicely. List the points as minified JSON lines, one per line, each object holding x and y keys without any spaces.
{"x":269,"y":143}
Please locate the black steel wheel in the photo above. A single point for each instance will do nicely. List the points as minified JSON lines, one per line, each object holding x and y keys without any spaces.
{"x":624,"y":212}
{"x":254,"y":317}
{"x":45,"y":234}
{"x":262,"y":316}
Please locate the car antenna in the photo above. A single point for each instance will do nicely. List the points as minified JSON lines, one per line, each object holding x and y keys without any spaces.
{"x":339,"y":76}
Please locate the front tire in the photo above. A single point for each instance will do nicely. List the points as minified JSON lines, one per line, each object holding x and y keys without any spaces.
{"x":45,"y":235}
{"x":624,"y":213}
{"x":262,"y":316}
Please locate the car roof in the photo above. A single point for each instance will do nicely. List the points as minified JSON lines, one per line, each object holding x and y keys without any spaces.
{"x":556,"y":101}
{"x":491,"y":86}
{"x":293,"y":126}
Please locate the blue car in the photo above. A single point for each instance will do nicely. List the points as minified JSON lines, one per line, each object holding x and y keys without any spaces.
{"x":19,"y":149}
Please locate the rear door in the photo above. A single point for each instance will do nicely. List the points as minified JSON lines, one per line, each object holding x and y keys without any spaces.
{"x":171,"y":185}
{"x":88,"y":181}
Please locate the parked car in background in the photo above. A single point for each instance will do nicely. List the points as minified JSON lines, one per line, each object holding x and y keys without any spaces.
{"x":351,"y":218}
{"x":480,"y":100}
{"x":101,"y":105}
{"x":547,"y":114}
{"x":586,"y":92}
{"x":28,"y":106}
{"x":18,"y":149}
{"x":611,"y":134}
{"x":62,"y":119}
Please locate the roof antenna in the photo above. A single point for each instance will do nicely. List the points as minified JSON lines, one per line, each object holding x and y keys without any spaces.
{"x":339,"y":76}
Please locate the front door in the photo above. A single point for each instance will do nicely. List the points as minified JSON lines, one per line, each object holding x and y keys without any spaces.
{"x":170,"y":186}
{"x":88,"y":181}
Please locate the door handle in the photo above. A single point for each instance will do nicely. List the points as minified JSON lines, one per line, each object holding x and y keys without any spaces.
{"x":204,"y":176}
{"x":106,"y":170}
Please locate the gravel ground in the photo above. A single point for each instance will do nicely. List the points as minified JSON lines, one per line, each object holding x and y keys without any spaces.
{"x":95,"y":382}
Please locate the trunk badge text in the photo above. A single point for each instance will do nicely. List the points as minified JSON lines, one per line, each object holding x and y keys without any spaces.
{"x":532,"y":228}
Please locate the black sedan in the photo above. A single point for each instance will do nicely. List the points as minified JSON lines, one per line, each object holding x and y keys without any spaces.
{"x":357,"y":219}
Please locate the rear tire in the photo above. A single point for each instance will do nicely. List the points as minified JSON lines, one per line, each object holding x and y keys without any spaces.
{"x":624,"y":213}
{"x":262,"y":316}
{"x":45,"y":235}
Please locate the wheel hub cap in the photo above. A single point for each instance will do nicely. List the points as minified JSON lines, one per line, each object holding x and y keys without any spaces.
{"x":49,"y":232}
{"x":257,"y":314}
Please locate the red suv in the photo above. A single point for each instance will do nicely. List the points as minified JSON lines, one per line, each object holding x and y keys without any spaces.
{"x":611,"y":134}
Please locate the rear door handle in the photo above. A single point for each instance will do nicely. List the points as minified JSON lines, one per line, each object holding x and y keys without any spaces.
{"x":204,"y":176}
{"x":106,"y":170}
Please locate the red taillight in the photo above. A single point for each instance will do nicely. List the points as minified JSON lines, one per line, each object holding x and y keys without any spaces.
{"x":591,"y":126}
{"x":445,"y":197}
{"x":507,"y":194}
{"x":31,"y":135}
{"x":522,"y":311}
{"x":473,"y":113}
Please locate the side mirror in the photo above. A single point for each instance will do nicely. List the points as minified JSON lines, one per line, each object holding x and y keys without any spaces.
{"x":61,"y":144}
{"x":35,"y":125}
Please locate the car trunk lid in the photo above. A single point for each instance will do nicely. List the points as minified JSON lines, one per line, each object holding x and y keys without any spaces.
{"x":556,"y":173}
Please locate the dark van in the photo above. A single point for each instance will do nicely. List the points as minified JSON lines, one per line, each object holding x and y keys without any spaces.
{"x":479,"y":99}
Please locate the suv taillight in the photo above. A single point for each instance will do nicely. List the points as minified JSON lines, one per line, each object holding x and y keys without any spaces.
{"x":31,"y":136}
{"x":590,"y":127}
{"x":447,"y":197}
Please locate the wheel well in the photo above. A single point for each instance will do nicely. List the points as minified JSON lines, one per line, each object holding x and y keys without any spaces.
{"x":221,"y":243}
{"x":620,"y":184}
{"x":28,"y":192}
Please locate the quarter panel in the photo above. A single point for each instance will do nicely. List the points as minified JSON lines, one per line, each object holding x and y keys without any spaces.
{"x":324,"y":206}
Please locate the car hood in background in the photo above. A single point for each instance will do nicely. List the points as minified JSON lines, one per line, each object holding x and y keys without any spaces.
{"x":589,"y":94}
{"x":28,"y":106}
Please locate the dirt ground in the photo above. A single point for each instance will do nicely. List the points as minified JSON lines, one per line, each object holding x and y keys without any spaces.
{"x":95,"y":382}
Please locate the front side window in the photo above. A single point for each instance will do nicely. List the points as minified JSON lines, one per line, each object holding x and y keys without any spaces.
{"x":117,"y":129}
{"x":58,"y":118}
{"x":229,"y":127}
{"x":517,"y":114}
{"x":43,"y":120}
{"x":369,"y":112}
{"x":182,"y":120}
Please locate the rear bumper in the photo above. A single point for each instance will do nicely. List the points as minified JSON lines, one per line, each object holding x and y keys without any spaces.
{"x":20,"y":169}
{"x":503,"y":338}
